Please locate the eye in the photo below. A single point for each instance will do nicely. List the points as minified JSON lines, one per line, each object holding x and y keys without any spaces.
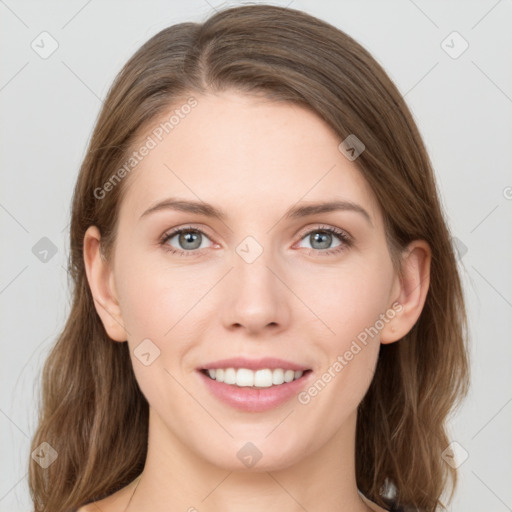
{"x":321,"y":239}
{"x":188,"y":238}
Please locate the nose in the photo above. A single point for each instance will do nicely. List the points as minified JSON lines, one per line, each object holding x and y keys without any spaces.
{"x":256,"y":298}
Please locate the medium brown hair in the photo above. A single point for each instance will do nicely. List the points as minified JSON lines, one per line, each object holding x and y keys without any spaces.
{"x":92,"y":410}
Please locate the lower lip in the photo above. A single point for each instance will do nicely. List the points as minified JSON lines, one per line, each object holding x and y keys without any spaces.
{"x":255,"y":399}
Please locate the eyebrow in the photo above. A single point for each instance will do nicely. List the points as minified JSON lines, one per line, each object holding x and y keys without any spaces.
{"x":208,"y":210}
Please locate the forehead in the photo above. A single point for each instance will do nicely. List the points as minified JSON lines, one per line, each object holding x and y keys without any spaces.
{"x":243,"y":152}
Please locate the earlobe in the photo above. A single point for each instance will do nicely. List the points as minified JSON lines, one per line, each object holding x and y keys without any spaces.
{"x":101,"y":282}
{"x":412,"y":291}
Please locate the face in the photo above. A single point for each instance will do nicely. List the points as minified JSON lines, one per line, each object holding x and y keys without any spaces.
{"x":258,"y":282}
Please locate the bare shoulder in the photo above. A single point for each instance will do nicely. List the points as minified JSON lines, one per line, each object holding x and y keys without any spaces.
{"x":104,"y":505}
{"x":86,"y":508}
{"x":99,"y":506}
{"x":116,"y":502}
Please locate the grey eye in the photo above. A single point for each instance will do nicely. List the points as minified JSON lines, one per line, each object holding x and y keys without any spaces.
{"x":321,"y":239}
{"x":188,"y":239}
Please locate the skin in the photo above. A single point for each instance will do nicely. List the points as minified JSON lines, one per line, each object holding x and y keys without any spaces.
{"x":253,"y":158}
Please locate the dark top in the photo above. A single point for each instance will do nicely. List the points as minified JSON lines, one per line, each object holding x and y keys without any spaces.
{"x":396,"y":507}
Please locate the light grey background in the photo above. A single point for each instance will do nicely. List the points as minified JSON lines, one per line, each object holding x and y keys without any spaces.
{"x":462,"y":105}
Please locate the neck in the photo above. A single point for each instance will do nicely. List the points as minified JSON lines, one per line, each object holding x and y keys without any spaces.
{"x":177,"y":477}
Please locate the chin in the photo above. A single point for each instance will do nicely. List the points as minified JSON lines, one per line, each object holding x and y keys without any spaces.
{"x":256,"y":453}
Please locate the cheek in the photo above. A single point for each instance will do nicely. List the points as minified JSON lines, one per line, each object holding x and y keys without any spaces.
{"x":151,"y":297}
{"x":163,"y":305}
{"x":154,"y":304}
{"x":349,"y":304}
{"x":348,"y":299}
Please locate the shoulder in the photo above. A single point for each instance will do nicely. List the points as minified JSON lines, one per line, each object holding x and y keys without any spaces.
{"x":116,"y":502}
{"x":98,"y":506}
{"x":88,"y":508}
{"x":110,"y":504}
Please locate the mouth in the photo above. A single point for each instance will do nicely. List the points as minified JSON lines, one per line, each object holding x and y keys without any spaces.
{"x":254,"y":390}
{"x":257,"y":379}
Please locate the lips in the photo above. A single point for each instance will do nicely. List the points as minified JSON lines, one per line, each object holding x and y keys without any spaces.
{"x":254,"y":364}
{"x":252,"y":399}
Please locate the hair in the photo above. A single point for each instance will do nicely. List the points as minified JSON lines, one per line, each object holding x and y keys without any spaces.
{"x":92,"y":411}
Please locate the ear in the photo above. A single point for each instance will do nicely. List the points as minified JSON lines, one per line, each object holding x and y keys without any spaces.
{"x":101,"y":281}
{"x":409,"y":291}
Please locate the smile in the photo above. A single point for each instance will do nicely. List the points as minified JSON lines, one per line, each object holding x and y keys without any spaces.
{"x":254,"y":391}
{"x":244,"y":377}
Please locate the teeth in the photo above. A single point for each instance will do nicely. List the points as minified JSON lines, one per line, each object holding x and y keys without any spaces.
{"x":230,"y":376}
{"x":244,"y":377}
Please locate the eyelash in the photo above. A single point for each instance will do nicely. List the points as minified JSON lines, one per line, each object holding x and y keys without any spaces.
{"x":346,"y":240}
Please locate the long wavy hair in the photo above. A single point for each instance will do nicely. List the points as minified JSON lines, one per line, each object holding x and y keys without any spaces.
{"x":92,"y":412}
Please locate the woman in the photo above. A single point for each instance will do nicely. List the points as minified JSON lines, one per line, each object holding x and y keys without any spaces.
{"x":211,"y":360}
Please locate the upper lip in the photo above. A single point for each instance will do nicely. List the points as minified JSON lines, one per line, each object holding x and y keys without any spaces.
{"x":254,"y":364}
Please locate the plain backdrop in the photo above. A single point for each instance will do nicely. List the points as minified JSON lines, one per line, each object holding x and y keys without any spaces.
{"x":461,"y":99}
